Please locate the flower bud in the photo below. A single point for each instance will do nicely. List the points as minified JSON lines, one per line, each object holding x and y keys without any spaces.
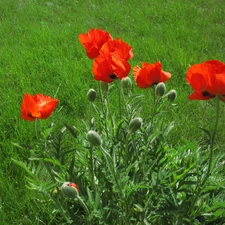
{"x":135,"y":124}
{"x":91,"y":95}
{"x":160,"y":89}
{"x":69,"y":189}
{"x":126,"y":82}
{"x":94,"y":138}
{"x":172,"y":95}
{"x":104,"y":86}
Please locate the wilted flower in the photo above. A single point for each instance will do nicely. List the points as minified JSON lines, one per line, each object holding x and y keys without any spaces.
{"x":37,"y":107}
{"x":94,"y":138}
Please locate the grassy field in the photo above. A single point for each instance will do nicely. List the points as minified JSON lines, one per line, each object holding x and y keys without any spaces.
{"x":40,"y":53}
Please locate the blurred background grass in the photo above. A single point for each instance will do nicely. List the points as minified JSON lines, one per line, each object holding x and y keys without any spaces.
{"x":40,"y":53}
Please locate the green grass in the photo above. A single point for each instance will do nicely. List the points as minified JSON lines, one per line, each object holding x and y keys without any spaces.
{"x":40,"y":53}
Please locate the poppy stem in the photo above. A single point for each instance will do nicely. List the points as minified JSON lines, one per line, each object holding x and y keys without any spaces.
{"x":109,"y":111}
{"x":83,"y":204}
{"x":120,"y":108}
{"x":127,"y":150}
{"x":104,"y":112}
{"x":124,"y":100}
{"x":111,"y":166}
{"x":154,"y":97}
{"x":92,"y":164}
{"x":36,"y":128}
{"x":101,"y":98}
{"x":90,"y":115}
{"x":212,"y":143}
{"x":154,"y":108}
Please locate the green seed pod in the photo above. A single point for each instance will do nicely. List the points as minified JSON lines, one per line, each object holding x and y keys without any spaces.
{"x":94,"y":138}
{"x":160,"y":89}
{"x":69,"y":189}
{"x":172,"y":95}
{"x":135,"y":124}
{"x":91,"y":95}
{"x":126,"y":82}
{"x":104,"y":86}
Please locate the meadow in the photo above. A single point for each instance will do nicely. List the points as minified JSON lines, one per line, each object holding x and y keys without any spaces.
{"x":40,"y":53}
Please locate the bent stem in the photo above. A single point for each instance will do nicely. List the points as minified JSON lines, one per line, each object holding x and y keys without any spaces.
{"x":83,"y":204}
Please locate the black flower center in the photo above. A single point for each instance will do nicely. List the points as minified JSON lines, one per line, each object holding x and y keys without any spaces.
{"x":205,"y":93}
{"x":30,"y":115}
{"x":113,"y":76}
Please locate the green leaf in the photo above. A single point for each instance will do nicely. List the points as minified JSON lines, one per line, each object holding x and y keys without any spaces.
{"x":71,"y":130}
{"x":17,"y":145}
{"x":24,"y":166}
{"x":53,"y":161}
{"x":169,"y":128}
{"x":138,"y":208}
{"x":117,"y":128}
{"x":97,"y":199}
{"x":90,"y":197}
{"x":207,"y":132}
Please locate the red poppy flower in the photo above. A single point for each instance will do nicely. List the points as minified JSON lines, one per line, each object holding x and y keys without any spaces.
{"x":112,"y":61}
{"x":93,"y":41}
{"x":38,"y":106}
{"x":207,"y":79}
{"x":150,"y":74}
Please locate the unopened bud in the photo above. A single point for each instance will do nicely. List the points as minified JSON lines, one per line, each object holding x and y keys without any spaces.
{"x":135,"y":124}
{"x":69,"y":189}
{"x":160,"y":89}
{"x":94,"y":138}
{"x":172,"y":95}
{"x":126,"y":82}
{"x":104,"y":86}
{"x":91,"y":95}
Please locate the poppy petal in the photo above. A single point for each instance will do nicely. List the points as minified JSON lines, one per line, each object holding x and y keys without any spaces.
{"x":119,"y":46}
{"x":46,"y":105}
{"x":140,"y":77}
{"x":93,"y":41}
{"x":29,"y":108}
